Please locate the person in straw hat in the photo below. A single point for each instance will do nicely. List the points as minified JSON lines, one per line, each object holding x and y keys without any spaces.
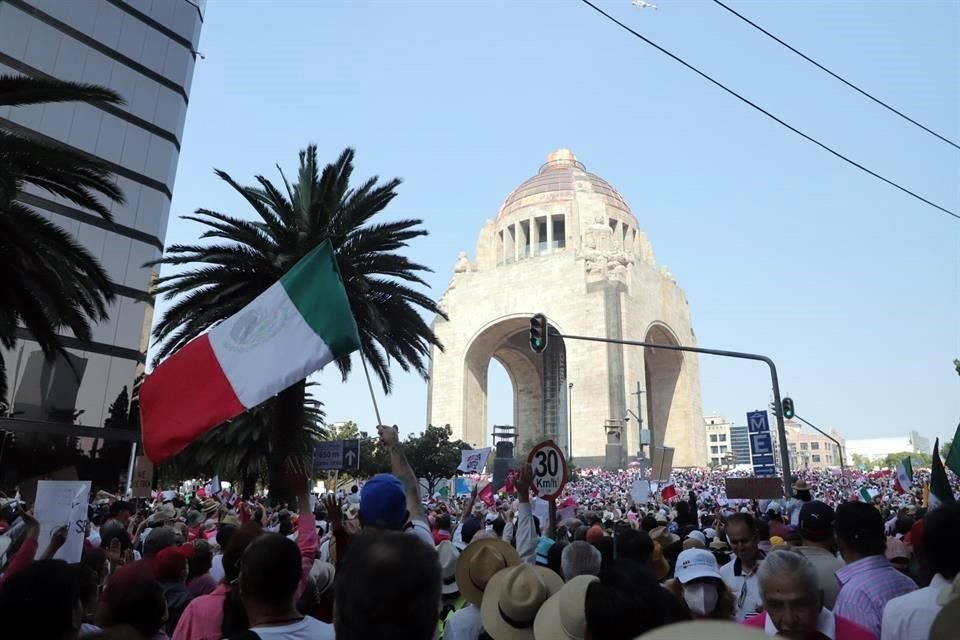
{"x":513,"y":598}
{"x":477,"y":564}
{"x":563,"y":616}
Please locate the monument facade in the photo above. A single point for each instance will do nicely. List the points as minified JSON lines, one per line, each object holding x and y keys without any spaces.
{"x":565,"y":243}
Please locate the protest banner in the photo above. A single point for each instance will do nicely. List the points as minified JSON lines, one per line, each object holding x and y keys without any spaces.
{"x":59,"y":503}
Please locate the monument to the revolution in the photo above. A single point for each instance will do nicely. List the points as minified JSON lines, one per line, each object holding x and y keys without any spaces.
{"x":566,"y":244}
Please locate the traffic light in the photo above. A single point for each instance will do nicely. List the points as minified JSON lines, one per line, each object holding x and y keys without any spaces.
{"x":538,"y":333}
{"x":788,"y":411}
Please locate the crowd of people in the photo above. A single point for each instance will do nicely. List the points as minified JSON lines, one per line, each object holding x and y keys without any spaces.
{"x":846,"y":557}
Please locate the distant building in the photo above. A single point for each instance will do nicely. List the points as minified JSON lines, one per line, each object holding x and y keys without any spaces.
{"x":719,"y":441}
{"x":740,"y":444}
{"x":879,"y":448}
{"x":812,"y":450}
{"x":920,"y":444}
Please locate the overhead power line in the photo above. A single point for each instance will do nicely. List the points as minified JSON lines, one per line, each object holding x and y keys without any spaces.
{"x":838,"y":77}
{"x":767,"y":113}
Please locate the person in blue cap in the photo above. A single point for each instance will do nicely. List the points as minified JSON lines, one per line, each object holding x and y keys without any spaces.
{"x":391,"y":501}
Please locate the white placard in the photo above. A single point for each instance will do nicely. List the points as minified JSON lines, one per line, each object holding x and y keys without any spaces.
{"x":640,"y":491}
{"x":62,"y":502}
{"x":473,"y":460}
{"x":541,"y":510}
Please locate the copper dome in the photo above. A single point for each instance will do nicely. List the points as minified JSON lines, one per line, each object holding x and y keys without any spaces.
{"x":559,"y":179}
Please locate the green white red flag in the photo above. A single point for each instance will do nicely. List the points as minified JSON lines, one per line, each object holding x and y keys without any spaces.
{"x":904,"y":477}
{"x":297,"y":326}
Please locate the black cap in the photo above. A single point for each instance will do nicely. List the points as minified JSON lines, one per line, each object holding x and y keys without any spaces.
{"x":816,"y":520}
{"x":471,"y":525}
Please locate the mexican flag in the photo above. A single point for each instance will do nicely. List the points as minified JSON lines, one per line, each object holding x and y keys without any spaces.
{"x":940,"y":492}
{"x":867,"y":495}
{"x":297,"y":326}
{"x":668,"y":492}
{"x":904,"y":477}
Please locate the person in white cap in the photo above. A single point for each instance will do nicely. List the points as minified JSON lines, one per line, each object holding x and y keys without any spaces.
{"x":699,"y":586}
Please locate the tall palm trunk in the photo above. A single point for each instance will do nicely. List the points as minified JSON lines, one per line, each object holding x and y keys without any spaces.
{"x":285,"y":439}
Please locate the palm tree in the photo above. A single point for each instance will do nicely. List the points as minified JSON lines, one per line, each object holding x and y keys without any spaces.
{"x":249,"y":256}
{"x":50,"y":282}
{"x":240,"y":448}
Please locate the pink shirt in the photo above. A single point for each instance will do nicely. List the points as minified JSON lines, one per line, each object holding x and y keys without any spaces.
{"x":203,"y":617}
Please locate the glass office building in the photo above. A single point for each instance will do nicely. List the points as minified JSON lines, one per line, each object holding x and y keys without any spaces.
{"x":146,"y":51}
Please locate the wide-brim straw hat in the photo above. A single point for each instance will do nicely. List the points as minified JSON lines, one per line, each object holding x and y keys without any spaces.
{"x":563,"y":615}
{"x":712,"y":629}
{"x":663,"y":536}
{"x":513,"y":598}
{"x":448,"y":555}
{"x":479,"y":562}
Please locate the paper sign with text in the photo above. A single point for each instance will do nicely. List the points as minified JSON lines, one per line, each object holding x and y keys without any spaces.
{"x":59,"y":503}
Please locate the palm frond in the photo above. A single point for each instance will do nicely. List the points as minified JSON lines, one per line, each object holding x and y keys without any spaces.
{"x":20,"y":90}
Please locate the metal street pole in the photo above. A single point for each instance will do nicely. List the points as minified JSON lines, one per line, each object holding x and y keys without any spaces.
{"x":781,"y":429}
{"x":570,"y":421}
{"x":826,"y":435}
{"x":639,"y":416}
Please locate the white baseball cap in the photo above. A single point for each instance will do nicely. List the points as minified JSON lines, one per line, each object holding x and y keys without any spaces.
{"x":696,"y":563}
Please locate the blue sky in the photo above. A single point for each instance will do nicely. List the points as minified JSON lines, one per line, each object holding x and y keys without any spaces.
{"x":852,"y":287}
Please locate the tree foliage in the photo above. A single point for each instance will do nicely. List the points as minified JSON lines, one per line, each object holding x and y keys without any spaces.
{"x":917,"y":460}
{"x":433,"y":455}
{"x":50,"y":283}
{"x":240,"y":258}
{"x":240,"y":450}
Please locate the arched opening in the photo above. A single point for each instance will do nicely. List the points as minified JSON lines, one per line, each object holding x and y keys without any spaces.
{"x":662,"y":371}
{"x":498,"y":360}
{"x":501,"y":399}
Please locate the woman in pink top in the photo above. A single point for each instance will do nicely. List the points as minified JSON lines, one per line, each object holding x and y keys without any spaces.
{"x":793,"y":602}
{"x":203,"y":617}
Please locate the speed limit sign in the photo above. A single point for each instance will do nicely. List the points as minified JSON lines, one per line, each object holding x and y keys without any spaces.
{"x":549,"y":469}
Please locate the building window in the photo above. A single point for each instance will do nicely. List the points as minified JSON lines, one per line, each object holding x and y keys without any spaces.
{"x":815,"y":446}
{"x":525,"y":244}
{"x":815,"y":457}
{"x":558,"y":234}
{"x":723,"y":437}
{"x":713,"y":437}
{"x":723,"y":448}
{"x":713,"y":450}
{"x":803,"y":446}
{"x":541,"y":236}
{"x":829,"y":458}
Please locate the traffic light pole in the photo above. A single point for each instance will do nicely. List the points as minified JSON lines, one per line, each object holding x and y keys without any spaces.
{"x":824,"y":434}
{"x":781,"y":430}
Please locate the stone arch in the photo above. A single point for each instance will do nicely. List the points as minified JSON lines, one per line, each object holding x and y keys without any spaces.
{"x":662,"y":369}
{"x":506,"y":340}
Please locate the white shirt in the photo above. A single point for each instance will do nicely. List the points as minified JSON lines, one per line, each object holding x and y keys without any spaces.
{"x":526,"y":534}
{"x":306,"y":629}
{"x":826,"y":624}
{"x":745,"y":589}
{"x":464,"y":624}
{"x":910,"y":616}
{"x":216,"y":568}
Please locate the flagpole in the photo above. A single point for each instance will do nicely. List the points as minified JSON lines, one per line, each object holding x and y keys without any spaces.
{"x":373,"y":398}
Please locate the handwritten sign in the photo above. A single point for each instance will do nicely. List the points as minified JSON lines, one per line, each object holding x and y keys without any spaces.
{"x":59,"y":503}
{"x":142,"y":477}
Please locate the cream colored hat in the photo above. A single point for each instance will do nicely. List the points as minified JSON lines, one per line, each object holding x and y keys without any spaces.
{"x":448,"y":556}
{"x":323,"y":574}
{"x":513,"y":598}
{"x":663,"y":536}
{"x":564,"y":614}
{"x":713,"y":629}
{"x":478,"y":563}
